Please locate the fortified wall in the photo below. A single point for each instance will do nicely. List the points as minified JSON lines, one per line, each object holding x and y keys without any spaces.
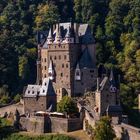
{"x":46,"y":124}
{"x":127,"y":132}
{"x":122,"y":131}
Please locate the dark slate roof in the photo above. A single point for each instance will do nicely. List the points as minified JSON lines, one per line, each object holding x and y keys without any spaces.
{"x":85,"y":60}
{"x":41,"y":37}
{"x":112,"y":79}
{"x":84,"y":33}
{"x":46,"y":89}
{"x":114,"y":108}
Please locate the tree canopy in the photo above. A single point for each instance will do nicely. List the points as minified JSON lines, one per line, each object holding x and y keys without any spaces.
{"x":67,"y":105}
{"x":114,"y":24}
{"x":103,"y":129}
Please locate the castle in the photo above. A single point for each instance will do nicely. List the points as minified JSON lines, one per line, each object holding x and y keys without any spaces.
{"x":67,"y":57}
{"x":66,"y":65}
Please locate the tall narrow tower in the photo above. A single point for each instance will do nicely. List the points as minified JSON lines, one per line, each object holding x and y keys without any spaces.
{"x":69,"y":45}
{"x":38,"y":62}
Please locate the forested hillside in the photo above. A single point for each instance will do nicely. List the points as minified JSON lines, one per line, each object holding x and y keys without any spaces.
{"x":115,"y":25}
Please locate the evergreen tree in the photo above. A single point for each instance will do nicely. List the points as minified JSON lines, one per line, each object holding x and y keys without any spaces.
{"x":103,"y":129}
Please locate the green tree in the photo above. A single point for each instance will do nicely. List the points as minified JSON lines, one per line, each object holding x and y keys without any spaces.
{"x":46,"y":16}
{"x":67,"y":105}
{"x":17,"y":98}
{"x":103,"y":129}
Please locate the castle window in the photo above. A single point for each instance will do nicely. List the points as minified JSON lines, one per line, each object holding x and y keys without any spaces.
{"x":91,"y":71}
{"x":62,"y":65}
{"x":28,"y":91}
{"x":33,"y":92}
{"x":45,"y":60}
{"x":43,"y":91}
{"x":45,"y":67}
{"x":61,"y":74}
{"x":65,"y":57}
{"x":59,"y":56}
{"x":50,"y":57}
{"x":55,"y":57}
{"x":45,"y":76}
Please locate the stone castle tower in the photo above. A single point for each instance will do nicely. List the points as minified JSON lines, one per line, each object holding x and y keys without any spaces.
{"x":67,"y":57}
{"x":107,"y":95}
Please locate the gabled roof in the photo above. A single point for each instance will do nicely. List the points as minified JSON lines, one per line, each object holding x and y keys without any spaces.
{"x":46,"y":89}
{"x":32,"y":90}
{"x":85,"y":60}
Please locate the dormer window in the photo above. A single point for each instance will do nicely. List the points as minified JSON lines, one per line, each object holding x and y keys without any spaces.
{"x":77,"y":73}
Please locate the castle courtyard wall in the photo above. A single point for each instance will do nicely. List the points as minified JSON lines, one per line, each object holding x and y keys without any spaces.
{"x":50,"y":124}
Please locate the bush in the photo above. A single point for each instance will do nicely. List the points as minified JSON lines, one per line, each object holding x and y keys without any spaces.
{"x":16,"y":136}
{"x":17,"y":98}
{"x":67,"y":105}
{"x":103,"y":129}
{"x":4,"y":100}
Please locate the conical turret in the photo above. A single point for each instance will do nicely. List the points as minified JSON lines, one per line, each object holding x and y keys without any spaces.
{"x":77,"y":73}
{"x":58,"y":37}
{"x":51,"y":71}
{"x":68,"y":34}
{"x":68,"y":37}
{"x":50,"y":37}
{"x":112,"y":82}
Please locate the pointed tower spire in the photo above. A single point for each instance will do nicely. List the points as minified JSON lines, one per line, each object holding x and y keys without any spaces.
{"x":50,"y":37}
{"x":68,"y":37}
{"x":51,"y":71}
{"x":77,"y":73}
{"x":50,"y":34}
{"x":68,"y":34}
{"x":112,"y":82}
{"x":97,"y":84}
{"x":111,"y":78}
{"x":58,"y":37}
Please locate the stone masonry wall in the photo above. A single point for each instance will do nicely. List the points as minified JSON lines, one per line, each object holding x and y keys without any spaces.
{"x":33,"y":124}
{"x":127,"y":132}
{"x":50,"y":124}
